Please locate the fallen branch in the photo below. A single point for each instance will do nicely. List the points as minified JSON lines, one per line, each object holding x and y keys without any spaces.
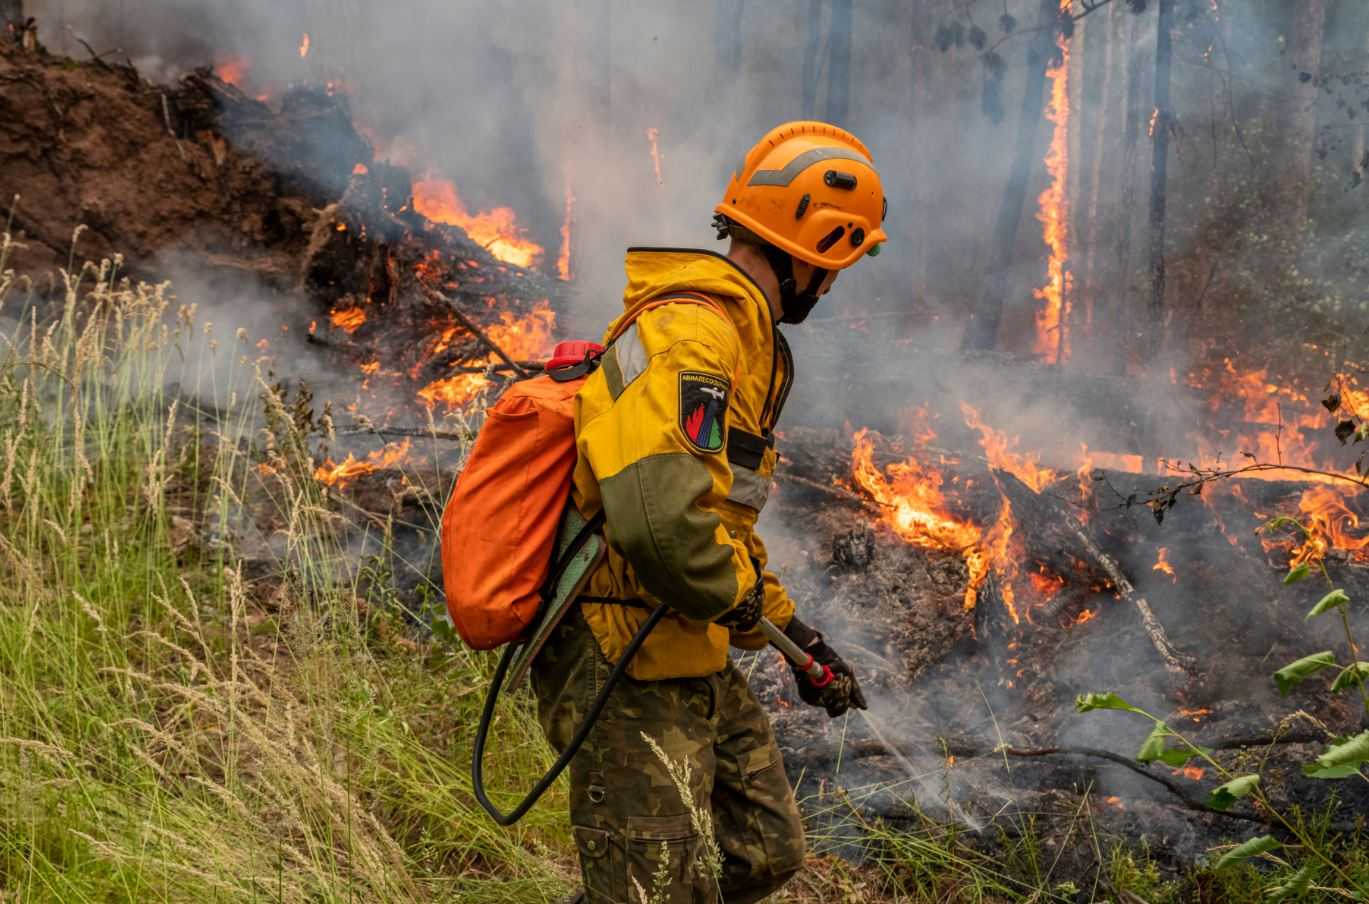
{"x":478,"y":332}
{"x":1175,"y":661}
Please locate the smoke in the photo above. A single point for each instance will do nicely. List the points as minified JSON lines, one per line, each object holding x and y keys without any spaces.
{"x":518,"y":104}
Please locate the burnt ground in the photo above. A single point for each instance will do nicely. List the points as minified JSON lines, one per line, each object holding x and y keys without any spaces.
{"x":950,"y":690}
{"x":257,"y":192}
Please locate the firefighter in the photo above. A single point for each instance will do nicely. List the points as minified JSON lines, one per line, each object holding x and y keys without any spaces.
{"x":675,"y":441}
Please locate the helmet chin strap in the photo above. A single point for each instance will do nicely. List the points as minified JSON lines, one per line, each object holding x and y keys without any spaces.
{"x":795,"y":306}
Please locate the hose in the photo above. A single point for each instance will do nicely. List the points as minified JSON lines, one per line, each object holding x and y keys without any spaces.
{"x":571,"y":748}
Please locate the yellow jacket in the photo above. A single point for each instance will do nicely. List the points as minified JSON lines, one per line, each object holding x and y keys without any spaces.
{"x":675,"y":439}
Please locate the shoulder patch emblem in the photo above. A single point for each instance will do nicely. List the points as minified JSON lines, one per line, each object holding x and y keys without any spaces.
{"x":703,"y":409}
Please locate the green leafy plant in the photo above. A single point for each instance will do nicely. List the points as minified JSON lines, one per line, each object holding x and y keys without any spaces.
{"x":1344,"y":758}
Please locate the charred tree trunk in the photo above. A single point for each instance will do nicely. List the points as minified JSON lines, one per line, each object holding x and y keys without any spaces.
{"x":1300,"y":129}
{"x":1131,"y":141}
{"x":981,"y":334}
{"x":1159,"y":170}
{"x":839,"y":62}
{"x":11,"y":16}
{"x":728,"y":38}
{"x":810,"y":60}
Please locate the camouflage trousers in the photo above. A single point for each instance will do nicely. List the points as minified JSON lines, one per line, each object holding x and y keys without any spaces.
{"x":632,"y":822}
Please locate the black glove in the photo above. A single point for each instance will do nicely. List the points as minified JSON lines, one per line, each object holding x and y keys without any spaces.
{"x":843,"y":691}
{"x":746,"y":615}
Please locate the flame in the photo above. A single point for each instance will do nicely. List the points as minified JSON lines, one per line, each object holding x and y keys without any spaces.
{"x":233,"y":72}
{"x":1114,"y":801}
{"x":652,"y":136}
{"x":304,"y":46}
{"x":563,"y":259}
{"x":916,"y":510}
{"x":338,"y":475}
{"x":1330,"y":523}
{"x":1046,"y":584}
{"x":1196,"y":713}
{"x":496,"y":230}
{"x":1162,"y":564}
{"x":521,"y":338}
{"x":1002,"y":453}
{"x":1052,"y":339}
{"x":1086,"y":616}
{"x":348,"y":319}
{"x":360,"y":169}
{"x":1192,"y":773}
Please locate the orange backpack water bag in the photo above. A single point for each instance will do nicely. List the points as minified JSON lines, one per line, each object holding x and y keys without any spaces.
{"x":509,"y":535}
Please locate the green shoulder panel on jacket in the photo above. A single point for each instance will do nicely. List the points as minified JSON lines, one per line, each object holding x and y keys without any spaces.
{"x":655,"y":522}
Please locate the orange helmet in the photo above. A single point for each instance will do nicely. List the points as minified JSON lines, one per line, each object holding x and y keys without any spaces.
{"x":810,"y":189}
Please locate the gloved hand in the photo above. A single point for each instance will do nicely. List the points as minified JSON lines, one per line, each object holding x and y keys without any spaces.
{"x":843,"y":692}
{"x":747,"y":614}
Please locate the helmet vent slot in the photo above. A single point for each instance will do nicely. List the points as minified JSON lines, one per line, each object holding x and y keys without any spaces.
{"x":803,"y":207}
{"x":830,"y":239}
{"x":838,"y":179}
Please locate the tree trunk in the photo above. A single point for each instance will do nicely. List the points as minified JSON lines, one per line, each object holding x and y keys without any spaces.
{"x":839,"y":62}
{"x":981,"y":333}
{"x":1101,"y":104}
{"x":728,"y":39}
{"x":11,"y":13}
{"x":1300,"y":131}
{"x":1159,"y":170}
{"x":1131,"y":139}
{"x":810,"y":60}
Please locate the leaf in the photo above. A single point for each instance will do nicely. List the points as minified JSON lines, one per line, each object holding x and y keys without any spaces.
{"x":1301,"y":571}
{"x":1007,"y":23}
{"x":1244,"y":851}
{"x":1296,"y":884}
{"x":1333,"y":599}
{"x":1352,"y":675}
{"x":1293,"y":674}
{"x":1353,"y":752}
{"x":1331,"y":402}
{"x":1345,"y":430}
{"x":1312,"y":770}
{"x":1224,"y":796}
{"x":977,"y":37}
{"x":1179,"y":756}
{"x":1153,"y":747}
{"x":1089,"y":702}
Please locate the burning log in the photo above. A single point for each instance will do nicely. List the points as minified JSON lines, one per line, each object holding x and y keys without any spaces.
{"x":1177,"y":663}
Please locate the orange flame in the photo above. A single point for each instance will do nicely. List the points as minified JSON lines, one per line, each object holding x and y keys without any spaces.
{"x":916,"y":510}
{"x":232,"y":72}
{"x":338,"y":475}
{"x":1003,"y":455}
{"x":1086,"y":616}
{"x":304,"y":46}
{"x":563,"y":259}
{"x":496,"y":230}
{"x":348,"y":319}
{"x":1046,"y":584}
{"x":652,"y":136}
{"x":521,"y":338}
{"x":1330,"y":524}
{"x":1052,"y":340}
{"x":1162,"y":563}
{"x":1192,"y":773}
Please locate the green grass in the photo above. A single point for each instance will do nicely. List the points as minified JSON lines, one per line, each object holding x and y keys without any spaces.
{"x":166,"y":732}
{"x":172,"y":729}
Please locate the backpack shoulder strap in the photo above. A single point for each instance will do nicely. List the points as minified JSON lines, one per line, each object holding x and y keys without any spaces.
{"x":683,"y":297}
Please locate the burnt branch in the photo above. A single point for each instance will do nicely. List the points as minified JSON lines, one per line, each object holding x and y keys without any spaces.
{"x":478,"y":332}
